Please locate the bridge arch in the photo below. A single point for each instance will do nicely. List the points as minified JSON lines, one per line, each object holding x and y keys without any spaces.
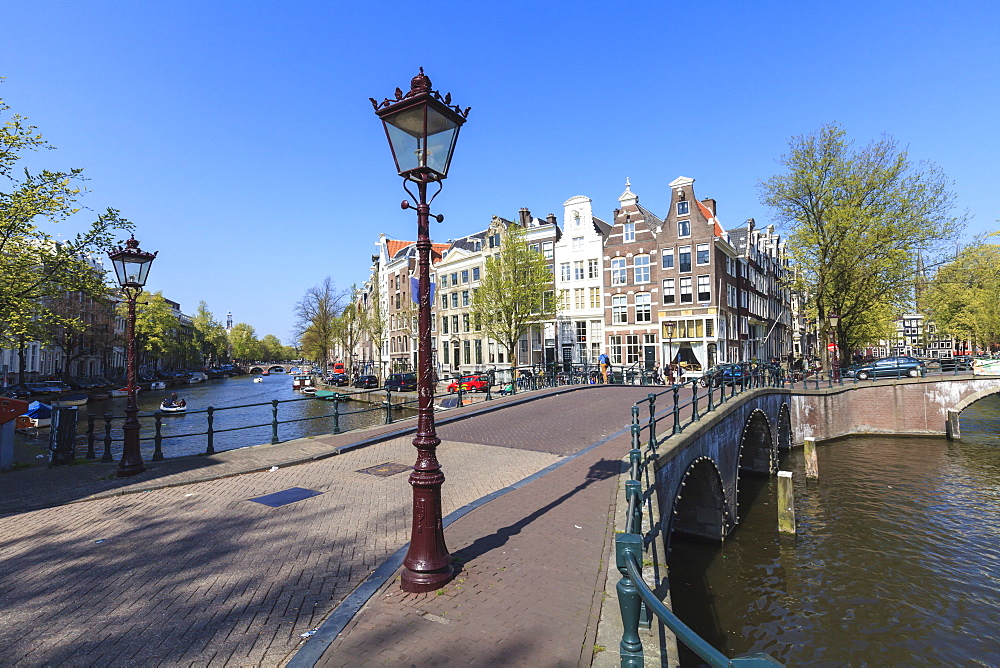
{"x":976,"y":396}
{"x":700,"y":509}
{"x":758,"y":451}
{"x":784,"y":428}
{"x":256,"y":369}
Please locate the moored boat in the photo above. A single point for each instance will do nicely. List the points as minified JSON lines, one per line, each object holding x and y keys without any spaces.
{"x":158,"y":385}
{"x":37,"y":415}
{"x":121,"y":392}
{"x":76,"y":399}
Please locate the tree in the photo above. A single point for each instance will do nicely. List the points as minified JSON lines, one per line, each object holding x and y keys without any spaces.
{"x":349,"y":328}
{"x":271,"y":348}
{"x":315,"y":325}
{"x":210,"y":336}
{"x":515,"y":292}
{"x":858,"y":221}
{"x":32,"y":264}
{"x":156,"y":328}
{"x":244,"y":343}
{"x":963,"y":298}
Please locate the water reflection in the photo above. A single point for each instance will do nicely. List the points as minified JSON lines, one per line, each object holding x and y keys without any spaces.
{"x":897,"y":560}
{"x":313,"y":416}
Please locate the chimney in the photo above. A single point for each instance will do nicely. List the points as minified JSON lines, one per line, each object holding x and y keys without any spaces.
{"x":525,"y":217}
{"x":550,"y":219}
{"x":710,"y":203}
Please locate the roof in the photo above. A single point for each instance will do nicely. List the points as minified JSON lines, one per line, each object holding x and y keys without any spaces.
{"x":601,"y":227}
{"x":401,"y":249}
{"x":738,"y":238}
{"x":705,"y":211}
{"x":393,"y":246}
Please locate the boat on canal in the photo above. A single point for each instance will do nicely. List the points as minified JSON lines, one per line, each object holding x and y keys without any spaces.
{"x":76,"y":399}
{"x":168,"y":406}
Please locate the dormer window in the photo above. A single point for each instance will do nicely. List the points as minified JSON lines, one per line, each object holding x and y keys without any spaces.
{"x":682,"y":208}
{"x":628,"y":233}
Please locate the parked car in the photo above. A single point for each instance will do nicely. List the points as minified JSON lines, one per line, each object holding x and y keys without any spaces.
{"x":47,"y":387}
{"x":887,"y":367}
{"x":15,"y":392}
{"x":727,"y":374}
{"x":471,"y":383}
{"x":337,"y":379}
{"x":402,"y":382}
{"x":366,"y":382}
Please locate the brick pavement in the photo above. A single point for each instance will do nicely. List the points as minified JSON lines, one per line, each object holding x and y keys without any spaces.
{"x":191,"y":572}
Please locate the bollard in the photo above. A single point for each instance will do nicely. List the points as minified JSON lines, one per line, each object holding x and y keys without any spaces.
{"x":106,"y":457}
{"x":652,"y":423}
{"x":786,"y":503}
{"x":388,"y":406}
{"x":677,"y":410}
{"x":812,"y":466}
{"x":694,"y":400}
{"x":274,"y":421}
{"x":953,"y":430}
{"x":629,"y":546}
{"x":711,"y":401}
{"x":158,"y":437}
{"x":336,"y":414}
{"x":90,"y":437}
{"x":210,"y":450}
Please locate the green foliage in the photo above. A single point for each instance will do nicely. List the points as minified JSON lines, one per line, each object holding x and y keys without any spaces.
{"x":271,"y":348}
{"x":963,"y":298}
{"x":156,"y":326}
{"x":32,"y":264}
{"x":244,"y":343}
{"x":210,"y":338}
{"x":515,"y":292}
{"x":859,"y":219}
{"x":316,"y":315}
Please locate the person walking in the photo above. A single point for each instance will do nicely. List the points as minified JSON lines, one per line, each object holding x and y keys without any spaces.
{"x":605,"y":363}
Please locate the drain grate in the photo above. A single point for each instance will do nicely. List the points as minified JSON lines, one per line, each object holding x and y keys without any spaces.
{"x":385,"y":470}
{"x":285,"y":497}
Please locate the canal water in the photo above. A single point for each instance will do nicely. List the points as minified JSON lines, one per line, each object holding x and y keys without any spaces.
{"x":311,"y":416}
{"x":897,"y":559}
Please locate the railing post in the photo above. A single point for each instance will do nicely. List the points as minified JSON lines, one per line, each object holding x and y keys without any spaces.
{"x":210,"y":450}
{"x":158,"y":437}
{"x":388,"y":406}
{"x":677,"y":410}
{"x":711,"y":400}
{"x":635,"y":454}
{"x":336,"y":414}
{"x":694,"y":400}
{"x":90,"y":437}
{"x":652,"y":422}
{"x":629,"y":546}
{"x":460,"y":393}
{"x":274,"y":421}
{"x":106,"y":457}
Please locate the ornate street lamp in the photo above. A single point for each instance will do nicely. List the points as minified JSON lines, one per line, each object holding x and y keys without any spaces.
{"x":131,"y":268}
{"x":833,"y":319}
{"x":669,"y":326}
{"x":422,"y":128}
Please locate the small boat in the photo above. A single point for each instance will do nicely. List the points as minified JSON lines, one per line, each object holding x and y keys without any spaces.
{"x":197,"y":377}
{"x":301,"y":381}
{"x":167,"y":406}
{"x":258,"y":379}
{"x":37,"y":415}
{"x":100,"y":396}
{"x":309,"y":390}
{"x":122,"y":392}
{"x":158,"y":385}
{"x":78,"y":399}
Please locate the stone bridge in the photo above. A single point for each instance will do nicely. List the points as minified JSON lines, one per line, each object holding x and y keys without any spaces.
{"x":699,"y":470}
{"x":278,"y":367}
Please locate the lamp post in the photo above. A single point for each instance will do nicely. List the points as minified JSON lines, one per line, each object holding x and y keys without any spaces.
{"x":131,"y":268}
{"x":833,"y":318}
{"x":669,"y":326}
{"x":422,"y":127}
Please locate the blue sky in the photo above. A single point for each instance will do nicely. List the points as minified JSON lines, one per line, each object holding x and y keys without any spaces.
{"x":238,"y":136}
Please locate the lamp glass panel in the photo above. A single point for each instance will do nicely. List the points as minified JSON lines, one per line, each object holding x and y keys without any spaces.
{"x":405,"y":149}
{"x":132,"y":270}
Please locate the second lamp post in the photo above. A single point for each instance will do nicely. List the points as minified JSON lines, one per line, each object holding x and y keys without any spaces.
{"x":422,"y":128}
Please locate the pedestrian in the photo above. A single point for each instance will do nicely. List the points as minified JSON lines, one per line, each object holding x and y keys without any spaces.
{"x":656,"y":374}
{"x":605,"y":363}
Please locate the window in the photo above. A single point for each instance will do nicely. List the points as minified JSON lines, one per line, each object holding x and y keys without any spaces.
{"x":578,"y":242}
{"x":444,"y":324}
{"x":467,"y":351}
{"x":465,"y":297}
{"x":667,"y":258}
{"x":579,"y":298}
{"x":477,"y":322}
{"x":444,"y":349}
{"x":619,"y":309}
{"x":564,"y":271}
{"x":444,"y":301}
{"x":685,"y":258}
{"x":454,"y":300}
{"x":465,"y":275}
{"x":475,"y":273}
{"x":576,"y":220}
{"x":595,"y":298}
{"x":682,"y":208}
{"x":704,"y":289}
{"x":628,"y":233}
{"x":546,"y":249}
{"x":616,"y":348}
{"x":581,"y":331}
{"x":643,"y":310}
{"x":642,"y":269}
{"x":592,"y":268}
{"x":632,"y":349}
{"x":618,"y":271}
{"x":709,"y":327}
{"x":479,"y":351}
{"x":444,"y":280}
{"x":668,"y":291}
{"x":454,"y":324}
{"x":703,"y":254}
{"x":578,"y":270}
{"x":564,"y":300}
{"x":683,"y":228}
{"x":686,"y":296}
{"x":465,"y":322}
{"x":454,"y":279}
